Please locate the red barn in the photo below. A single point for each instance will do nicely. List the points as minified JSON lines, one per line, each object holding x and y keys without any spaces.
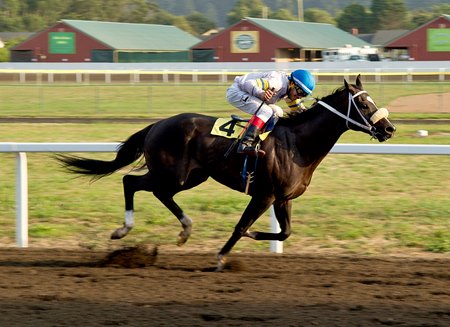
{"x":84,"y":41}
{"x":268,"y":40}
{"x":428,"y":42}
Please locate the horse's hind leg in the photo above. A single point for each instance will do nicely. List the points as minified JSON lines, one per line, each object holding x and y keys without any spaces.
{"x":165,"y":192}
{"x":186,"y":222}
{"x":132,"y":184}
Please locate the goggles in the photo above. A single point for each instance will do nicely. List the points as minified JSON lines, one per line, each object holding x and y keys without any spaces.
{"x":300,"y":91}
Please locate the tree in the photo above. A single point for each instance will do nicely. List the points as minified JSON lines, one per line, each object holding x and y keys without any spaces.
{"x":317,"y":15}
{"x":137,"y":11}
{"x":182,"y":23}
{"x":49,"y":11}
{"x":162,"y":18}
{"x":388,"y":14}
{"x":441,"y":9}
{"x":282,"y":14}
{"x":10,"y":19}
{"x":4,"y":55}
{"x":33,"y":22}
{"x":420,"y":17}
{"x":5,"y":52}
{"x":199,"y":23}
{"x":289,"y":5}
{"x":165,"y":18}
{"x":354,"y":16}
{"x":85,"y":9}
{"x":245,"y":8}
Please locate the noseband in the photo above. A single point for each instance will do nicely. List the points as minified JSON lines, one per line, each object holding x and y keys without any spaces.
{"x":377,"y":115}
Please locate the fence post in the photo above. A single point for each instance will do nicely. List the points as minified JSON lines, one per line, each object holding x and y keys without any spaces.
{"x":21,"y":200}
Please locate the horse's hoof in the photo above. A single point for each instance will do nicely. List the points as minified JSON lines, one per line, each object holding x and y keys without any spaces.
{"x":120,"y":233}
{"x":116,"y":235}
{"x":182,"y":238}
{"x":221,"y":262}
{"x":184,"y":234}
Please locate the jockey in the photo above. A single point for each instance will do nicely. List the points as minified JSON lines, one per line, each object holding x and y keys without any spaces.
{"x":257,"y":93}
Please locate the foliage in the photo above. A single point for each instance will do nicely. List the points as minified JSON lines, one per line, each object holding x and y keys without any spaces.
{"x":282,"y":14}
{"x":35,"y":15}
{"x":198,"y":16}
{"x":245,"y":8}
{"x":388,"y":14}
{"x":4,"y":55}
{"x":419,"y":17}
{"x":354,"y":16}
{"x":441,"y":9}
{"x":199,"y":23}
{"x":317,"y":15}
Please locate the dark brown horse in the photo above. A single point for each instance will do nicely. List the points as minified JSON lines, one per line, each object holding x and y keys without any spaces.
{"x":180,"y":153}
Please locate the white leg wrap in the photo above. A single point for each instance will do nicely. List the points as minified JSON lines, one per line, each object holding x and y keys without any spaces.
{"x":186,"y":221}
{"x":127,"y":226}
{"x":129,"y":219}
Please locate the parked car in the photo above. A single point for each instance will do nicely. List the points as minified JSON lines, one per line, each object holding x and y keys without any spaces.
{"x":357,"y":58}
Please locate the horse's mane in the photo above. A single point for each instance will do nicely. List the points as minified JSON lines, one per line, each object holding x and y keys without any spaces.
{"x":298,"y":117}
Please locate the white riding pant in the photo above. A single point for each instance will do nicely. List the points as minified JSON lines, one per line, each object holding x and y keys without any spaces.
{"x":250,"y":104}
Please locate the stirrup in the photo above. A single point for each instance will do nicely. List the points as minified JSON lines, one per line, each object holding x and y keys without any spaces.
{"x":254,"y":151}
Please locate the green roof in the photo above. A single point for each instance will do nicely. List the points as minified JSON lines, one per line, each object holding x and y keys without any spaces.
{"x":309,"y":35}
{"x":128,"y":36}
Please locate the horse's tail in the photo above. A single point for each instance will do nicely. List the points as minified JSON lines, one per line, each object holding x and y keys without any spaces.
{"x":128,"y":152}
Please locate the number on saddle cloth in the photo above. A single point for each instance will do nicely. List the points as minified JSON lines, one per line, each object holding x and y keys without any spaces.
{"x":234,"y":128}
{"x":229,"y":128}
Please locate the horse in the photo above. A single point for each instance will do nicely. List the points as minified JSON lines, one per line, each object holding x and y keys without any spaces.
{"x":180,"y":153}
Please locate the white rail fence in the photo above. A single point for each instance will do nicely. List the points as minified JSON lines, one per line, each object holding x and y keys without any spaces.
{"x":22,"y":170}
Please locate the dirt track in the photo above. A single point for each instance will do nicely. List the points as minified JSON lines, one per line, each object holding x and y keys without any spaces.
{"x":47,"y":287}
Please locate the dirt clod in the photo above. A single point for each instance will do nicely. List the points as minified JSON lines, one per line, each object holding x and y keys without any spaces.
{"x":142,"y":255}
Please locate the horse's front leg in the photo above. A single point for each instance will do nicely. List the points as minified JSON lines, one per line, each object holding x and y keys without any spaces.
{"x":254,"y":210}
{"x":283,"y":215}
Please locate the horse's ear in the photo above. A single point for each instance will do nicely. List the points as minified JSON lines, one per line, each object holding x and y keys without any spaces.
{"x":358,"y":82}
{"x":346,"y":84}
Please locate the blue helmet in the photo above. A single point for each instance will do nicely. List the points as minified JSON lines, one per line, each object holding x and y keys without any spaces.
{"x":304,"y":80}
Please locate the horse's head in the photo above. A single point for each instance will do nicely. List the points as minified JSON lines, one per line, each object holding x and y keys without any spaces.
{"x":364,"y":115}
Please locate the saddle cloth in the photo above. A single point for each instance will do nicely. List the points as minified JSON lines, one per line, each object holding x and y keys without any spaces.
{"x":231,"y":128}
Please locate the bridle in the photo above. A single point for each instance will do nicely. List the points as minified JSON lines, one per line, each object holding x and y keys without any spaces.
{"x":376,"y":116}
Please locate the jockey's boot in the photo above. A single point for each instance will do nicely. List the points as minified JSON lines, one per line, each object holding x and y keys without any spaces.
{"x":247,"y":143}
